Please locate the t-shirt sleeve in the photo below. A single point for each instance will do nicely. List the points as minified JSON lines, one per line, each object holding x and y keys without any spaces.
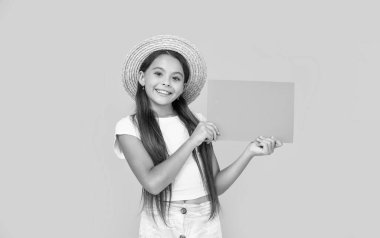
{"x":124,"y":126}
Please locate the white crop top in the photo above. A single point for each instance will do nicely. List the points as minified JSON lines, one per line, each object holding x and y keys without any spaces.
{"x":188,"y":183}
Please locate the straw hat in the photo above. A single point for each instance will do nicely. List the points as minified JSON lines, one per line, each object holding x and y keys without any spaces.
{"x":197,"y":65}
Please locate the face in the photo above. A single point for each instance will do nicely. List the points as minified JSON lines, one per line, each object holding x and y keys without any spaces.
{"x":165,"y":73}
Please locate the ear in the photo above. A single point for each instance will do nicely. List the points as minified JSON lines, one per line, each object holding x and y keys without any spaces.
{"x":141,"y":78}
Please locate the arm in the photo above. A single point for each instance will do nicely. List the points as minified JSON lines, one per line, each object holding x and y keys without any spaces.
{"x":154,"y":179}
{"x":225,"y":178}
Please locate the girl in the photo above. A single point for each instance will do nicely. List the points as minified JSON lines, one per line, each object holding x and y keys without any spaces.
{"x":169,"y":148}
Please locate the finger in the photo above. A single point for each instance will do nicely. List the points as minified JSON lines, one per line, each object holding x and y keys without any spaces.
{"x":211,"y":133}
{"x":268,"y":140}
{"x":274,"y":141}
{"x":215,"y":127}
{"x":261,"y":145}
{"x":278,"y":143}
{"x":257,"y":143}
{"x":265,"y":147}
{"x":208,"y":140}
{"x":213,"y":130}
{"x":261,"y":140}
{"x":271,"y":144}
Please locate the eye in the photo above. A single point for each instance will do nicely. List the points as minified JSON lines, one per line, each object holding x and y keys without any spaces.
{"x":176,"y":78}
{"x":157,"y":73}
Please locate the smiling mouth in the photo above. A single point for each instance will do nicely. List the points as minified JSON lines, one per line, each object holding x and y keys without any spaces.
{"x":161,"y":92}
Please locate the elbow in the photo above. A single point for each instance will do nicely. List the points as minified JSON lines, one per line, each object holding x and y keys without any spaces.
{"x":154,"y":191}
{"x":153,"y":184}
{"x":152,"y":188}
{"x":219,"y":192}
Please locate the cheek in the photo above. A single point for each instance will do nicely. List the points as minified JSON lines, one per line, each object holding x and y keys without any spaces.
{"x":150,"y":83}
{"x":180,"y":87}
{"x":179,"y":90}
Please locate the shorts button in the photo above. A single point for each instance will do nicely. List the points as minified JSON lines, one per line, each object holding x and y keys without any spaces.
{"x":182,"y":236}
{"x":183,"y":211}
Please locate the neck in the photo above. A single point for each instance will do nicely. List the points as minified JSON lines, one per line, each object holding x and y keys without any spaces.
{"x":168,"y":115}
{"x":167,"y":112}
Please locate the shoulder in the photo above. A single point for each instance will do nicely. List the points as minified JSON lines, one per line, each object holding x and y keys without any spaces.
{"x":125,"y":120}
{"x":126,"y":125}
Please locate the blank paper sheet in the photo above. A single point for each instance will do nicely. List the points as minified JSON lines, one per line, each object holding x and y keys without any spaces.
{"x":244,"y":110}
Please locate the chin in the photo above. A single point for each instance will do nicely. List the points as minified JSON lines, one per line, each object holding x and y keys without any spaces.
{"x":163,"y":101}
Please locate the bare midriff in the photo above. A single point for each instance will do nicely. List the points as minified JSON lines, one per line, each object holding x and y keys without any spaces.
{"x":193,"y":201}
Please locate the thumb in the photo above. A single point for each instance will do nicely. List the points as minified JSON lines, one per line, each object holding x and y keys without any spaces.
{"x":258,"y":144}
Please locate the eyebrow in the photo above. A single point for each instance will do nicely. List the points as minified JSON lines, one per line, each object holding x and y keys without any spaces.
{"x":164,"y":70}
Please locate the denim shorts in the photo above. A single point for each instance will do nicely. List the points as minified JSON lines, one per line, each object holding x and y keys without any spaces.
{"x":184,"y":221}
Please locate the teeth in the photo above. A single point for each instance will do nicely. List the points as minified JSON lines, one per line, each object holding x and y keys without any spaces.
{"x":161,"y":91}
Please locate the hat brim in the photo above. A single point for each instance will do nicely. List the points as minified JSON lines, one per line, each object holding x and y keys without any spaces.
{"x":196,"y":63}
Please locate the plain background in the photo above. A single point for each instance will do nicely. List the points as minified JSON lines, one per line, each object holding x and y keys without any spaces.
{"x":61,"y":95}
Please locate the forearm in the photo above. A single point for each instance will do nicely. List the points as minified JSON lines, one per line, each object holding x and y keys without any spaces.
{"x":164,"y":173}
{"x":226,"y":177}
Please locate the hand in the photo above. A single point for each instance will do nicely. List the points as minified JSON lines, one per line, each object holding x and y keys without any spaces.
{"x":264,"y":145}
{"x":205,"y":132}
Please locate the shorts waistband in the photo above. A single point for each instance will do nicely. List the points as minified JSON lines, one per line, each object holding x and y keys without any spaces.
{"x":203,"y":204}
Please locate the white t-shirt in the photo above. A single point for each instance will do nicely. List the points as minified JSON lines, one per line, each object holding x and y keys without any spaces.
{"x":188,"y":183}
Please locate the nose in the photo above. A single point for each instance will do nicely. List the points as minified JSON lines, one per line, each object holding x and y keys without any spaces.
{"x":166,"y":81}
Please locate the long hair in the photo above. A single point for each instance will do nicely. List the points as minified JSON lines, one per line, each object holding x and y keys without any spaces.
{"x":153,"y":142}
